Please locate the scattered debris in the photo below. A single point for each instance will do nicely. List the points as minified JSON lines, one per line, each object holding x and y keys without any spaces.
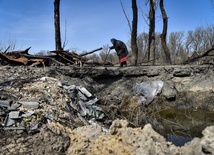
{"x":146,"y":91}
{"x":29,"y":115}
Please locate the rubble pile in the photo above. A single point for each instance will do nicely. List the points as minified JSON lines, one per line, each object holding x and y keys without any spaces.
{"x":60,"y":58}
{"x":44,"y":100}
{"x":29,"y":104}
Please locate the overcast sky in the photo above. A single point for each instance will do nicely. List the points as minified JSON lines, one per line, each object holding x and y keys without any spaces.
{"x":90,"y":24}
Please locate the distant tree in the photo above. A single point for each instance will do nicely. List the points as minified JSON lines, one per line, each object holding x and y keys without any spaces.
{"x":134,"y":31}
{"x":195,"y":37}
{"x":94,"y":57}
{"x":209,"y":33}
{"x":142,"y":46}
{"x":104,"y":53}
{"x":176,"y":45}
{"x":164,"y":33}
{"x":7,"y":43}
{"x":42,"y":52}
{"x":58,"y":45}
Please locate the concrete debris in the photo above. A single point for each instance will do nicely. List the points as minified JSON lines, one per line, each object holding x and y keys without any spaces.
{"x":28,"y":113}
{"x":14,"y":128}
{"x":4,"y":103}
{"x":84,"y":91}
{"x":9,"y":121}
{"x":14,"y":114}
{"x":29,"y":104}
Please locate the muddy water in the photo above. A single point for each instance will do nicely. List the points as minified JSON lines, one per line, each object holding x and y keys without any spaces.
{"x":183,"y":125}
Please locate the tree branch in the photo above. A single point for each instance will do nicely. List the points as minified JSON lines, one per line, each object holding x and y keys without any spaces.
{"x":129,"y":24}
{"x":200,"y":56}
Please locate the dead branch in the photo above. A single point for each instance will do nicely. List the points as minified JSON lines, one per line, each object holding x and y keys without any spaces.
{"x":6,"y":49}
{"x":198,"y":57}
{"x":98,"y":49}
{"x":129,"y":24}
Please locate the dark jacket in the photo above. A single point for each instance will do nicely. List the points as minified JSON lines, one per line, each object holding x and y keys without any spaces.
{"x":120,"y":48}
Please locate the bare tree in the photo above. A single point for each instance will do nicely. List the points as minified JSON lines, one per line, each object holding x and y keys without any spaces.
{"x":58,"y":45}
{"x":164,"y":33}
{"x":151,"y":46}
{"x":134,"y":31}
{"x":196,"y":39}
{"x":176,"y":45}
{"x":94,"y":57}
{"x":209,"y":33}
{"x":7,"y":43}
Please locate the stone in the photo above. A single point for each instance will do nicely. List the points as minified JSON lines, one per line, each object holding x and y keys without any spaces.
{"x":207,"y":141}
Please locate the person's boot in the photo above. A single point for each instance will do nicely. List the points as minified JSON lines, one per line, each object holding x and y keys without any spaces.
{"x":125,"y":64}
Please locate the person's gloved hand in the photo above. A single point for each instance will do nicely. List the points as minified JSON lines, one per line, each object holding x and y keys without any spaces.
{"x":111,"y":47}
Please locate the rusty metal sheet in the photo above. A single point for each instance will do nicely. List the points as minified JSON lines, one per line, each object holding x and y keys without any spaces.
{"x":22,"y":60}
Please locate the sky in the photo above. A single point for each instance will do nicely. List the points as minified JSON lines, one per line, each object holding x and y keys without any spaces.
{"x":90,"y":24}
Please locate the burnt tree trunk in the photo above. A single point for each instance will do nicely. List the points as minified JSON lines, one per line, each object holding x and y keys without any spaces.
{"x":151,"y":46}
{"x":164,"y":33}
{"x":58,"y":45}
{"x":134,"y":32}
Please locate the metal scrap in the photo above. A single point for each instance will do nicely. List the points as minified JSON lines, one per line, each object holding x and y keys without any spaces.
{"x":22,"y":57}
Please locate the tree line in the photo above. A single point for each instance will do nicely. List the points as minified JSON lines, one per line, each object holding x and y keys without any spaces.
{"x":180,"y":44}
{"x":160,"y":47}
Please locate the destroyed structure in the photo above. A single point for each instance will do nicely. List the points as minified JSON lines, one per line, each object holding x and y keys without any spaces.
{"x":61,"y":58}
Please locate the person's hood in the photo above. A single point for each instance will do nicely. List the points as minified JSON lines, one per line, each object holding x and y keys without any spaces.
{"x":113,"y":40}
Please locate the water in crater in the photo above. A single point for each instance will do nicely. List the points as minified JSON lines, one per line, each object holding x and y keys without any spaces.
{"x":181,"y":126}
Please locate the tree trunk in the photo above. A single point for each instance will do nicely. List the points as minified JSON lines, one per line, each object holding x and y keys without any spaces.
{"x":164,"y":33}
{"x":134,"y":32}
{"x":151,"y":46}
{"x":58,"y":45}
